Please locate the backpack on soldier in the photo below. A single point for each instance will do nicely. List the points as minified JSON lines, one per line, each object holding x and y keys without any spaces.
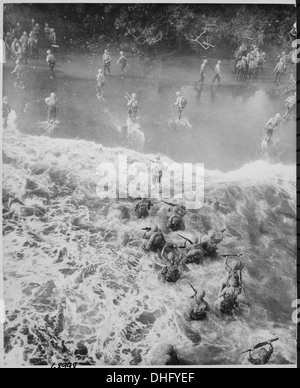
{"x":51,"y":60}
{"x":198,"y":313}
{"x":142,"y":210}
{"x":134,"y":106}
{"x":172,"y":275}
{"x":227,"y":306}
{"x":182,"y":103}
{"x":101,"y":81}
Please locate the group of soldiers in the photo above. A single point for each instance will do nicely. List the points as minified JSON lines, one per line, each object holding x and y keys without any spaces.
{"x":274,"y":122}
{"x":20,"y":47}
{"x":248,"y":65}
{"x":106,"y":64}
{"x":192,"y":251}
{"x":176,"y":257}
{"x":23,"y":46}
{"x":216,"y":70}
{"x":132,"y":102}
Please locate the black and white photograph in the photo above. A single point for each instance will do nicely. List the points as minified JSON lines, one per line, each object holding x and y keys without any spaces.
{"x":149,"y":185}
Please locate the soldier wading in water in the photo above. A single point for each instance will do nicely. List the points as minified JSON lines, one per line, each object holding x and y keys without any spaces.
{"x":199,"y":307}
{"x":133,"y":106}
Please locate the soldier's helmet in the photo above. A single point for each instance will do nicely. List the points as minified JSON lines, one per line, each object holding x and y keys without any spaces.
{"x":233,"y":281}
{"x":277,"y":117}
{"x":169,"y":350}
{"x":200,"y":296}
{"x":263,"y":354}
{"x":196,"y":240}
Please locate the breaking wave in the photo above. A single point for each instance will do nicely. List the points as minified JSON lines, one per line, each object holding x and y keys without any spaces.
{"x":78,"y":286}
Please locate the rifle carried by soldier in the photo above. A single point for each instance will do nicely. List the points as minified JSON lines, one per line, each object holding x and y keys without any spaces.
{"x":128,"y":96}
{"x":185,"y":238}
{"x":152,"y":161}
{"x":260,"y":345}
{"x":194,"y":289}
{"x":174,"y":204}
{"x":233,"y":255}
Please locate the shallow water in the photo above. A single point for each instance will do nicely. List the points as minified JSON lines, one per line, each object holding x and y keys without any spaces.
{"x":227,"y":122}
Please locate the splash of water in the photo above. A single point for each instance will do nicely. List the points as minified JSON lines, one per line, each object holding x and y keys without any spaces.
{"x":79,"y":287}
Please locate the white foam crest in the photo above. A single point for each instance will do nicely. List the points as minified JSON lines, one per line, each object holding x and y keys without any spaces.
{"x":12,"y":122}
{"x":258,"y":172}
{"x":111,"y":286}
